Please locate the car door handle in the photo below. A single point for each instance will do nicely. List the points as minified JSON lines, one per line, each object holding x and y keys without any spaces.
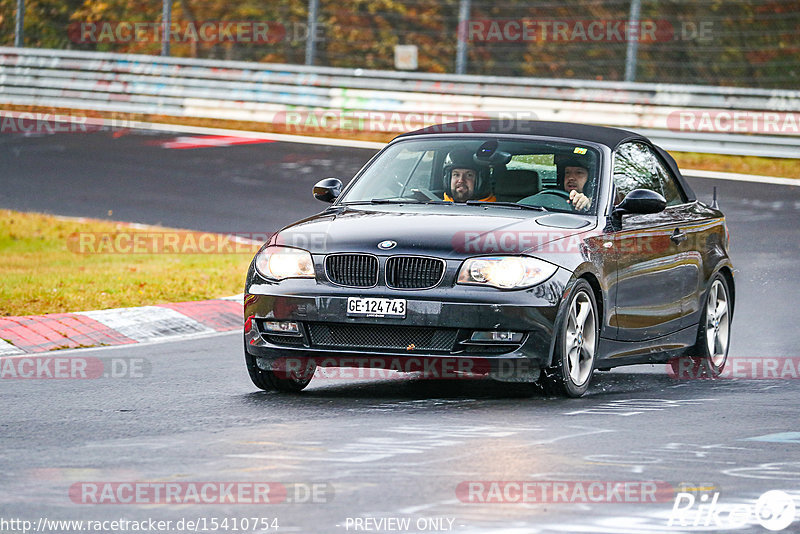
{"x":678,"y":237}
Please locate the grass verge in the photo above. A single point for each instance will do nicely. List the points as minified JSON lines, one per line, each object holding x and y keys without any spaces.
{"x":781,"y":167}
{"x":53,"y":265}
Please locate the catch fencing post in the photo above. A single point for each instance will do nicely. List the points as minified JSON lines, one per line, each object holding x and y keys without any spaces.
{"x":311,"y":38}
{"x":461,"y":35}
{"x":632,"y":33}
{"x":19,"y":30}
{"x":166,"y":20}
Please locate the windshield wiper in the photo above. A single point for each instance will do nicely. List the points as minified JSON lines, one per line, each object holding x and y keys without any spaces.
{"x":504,"y":204}
{"x":408,"y":201}
{"x":395,"y":201}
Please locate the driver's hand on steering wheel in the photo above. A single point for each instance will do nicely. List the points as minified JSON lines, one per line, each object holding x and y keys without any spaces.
{"x":579,"y":201}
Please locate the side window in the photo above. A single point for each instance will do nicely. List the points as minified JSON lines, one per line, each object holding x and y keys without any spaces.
{"x":671,"y":189}
{"x":635,"y":167}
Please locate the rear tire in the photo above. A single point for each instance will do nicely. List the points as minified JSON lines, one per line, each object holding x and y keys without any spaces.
{"x":576,"y":345}
{"x":283,"y":381}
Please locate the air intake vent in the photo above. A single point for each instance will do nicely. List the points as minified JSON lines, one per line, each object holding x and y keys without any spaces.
{"x":352,"y":270}
{"x":413,"y":272}
{"x":385,"y":337}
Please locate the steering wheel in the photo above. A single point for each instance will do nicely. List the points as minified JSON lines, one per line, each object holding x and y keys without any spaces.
{"x":550,"y":198}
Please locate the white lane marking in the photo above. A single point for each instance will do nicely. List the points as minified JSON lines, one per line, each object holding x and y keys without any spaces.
{"x":628,"y":407}
{"x":147,"y":322}
{"x":366,"y":449}
{"x":769,"y":471}
{"x":780,"y":437}
{"x":692,"y":173}
{"x":419,"y":440}
{"x":203,"y":141}
{"x":672,"y":453}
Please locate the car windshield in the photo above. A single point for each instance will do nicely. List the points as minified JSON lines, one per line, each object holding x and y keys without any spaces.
{"x":502,"y":173}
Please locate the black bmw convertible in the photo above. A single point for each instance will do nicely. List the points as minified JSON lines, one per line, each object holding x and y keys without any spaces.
{"x":520,"y":251}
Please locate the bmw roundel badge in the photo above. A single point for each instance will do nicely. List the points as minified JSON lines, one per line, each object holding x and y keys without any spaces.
{"x":386,"y":245}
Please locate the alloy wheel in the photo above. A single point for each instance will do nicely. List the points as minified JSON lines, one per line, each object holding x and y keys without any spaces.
{"x":580,"y":340}
{"x":717,"y":323}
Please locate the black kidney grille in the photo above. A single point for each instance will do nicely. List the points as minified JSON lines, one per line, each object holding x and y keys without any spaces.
{"x":353,"y":270}
{"x":381,"y":337}
{"x":410,"y":272}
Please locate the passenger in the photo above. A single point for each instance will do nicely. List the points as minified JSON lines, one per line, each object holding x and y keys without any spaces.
{"x":464,"y":179}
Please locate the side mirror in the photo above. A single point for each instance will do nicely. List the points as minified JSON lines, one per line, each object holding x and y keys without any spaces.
{"x":638,"y":201}
{"x":328,"y":190}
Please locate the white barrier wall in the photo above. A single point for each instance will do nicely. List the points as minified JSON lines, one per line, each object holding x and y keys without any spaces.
{"x":734,"y":120}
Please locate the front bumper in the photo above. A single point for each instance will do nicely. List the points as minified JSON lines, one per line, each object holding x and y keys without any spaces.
{"x":438,"y":323}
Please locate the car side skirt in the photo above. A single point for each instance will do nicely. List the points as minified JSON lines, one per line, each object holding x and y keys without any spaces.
{"x":614,"y":353}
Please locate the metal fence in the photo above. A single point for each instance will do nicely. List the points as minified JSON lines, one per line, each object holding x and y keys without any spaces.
{"x":270,"y":93}
{"x":743,"y":43}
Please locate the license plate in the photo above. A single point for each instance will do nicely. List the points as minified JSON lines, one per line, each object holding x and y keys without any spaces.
{"x":376,"y":307}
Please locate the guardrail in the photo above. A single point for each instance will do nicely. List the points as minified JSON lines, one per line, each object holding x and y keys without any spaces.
{"x":185,"y":87}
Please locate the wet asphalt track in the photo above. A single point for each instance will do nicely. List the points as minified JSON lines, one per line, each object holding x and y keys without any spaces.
{"x":388,"y":448}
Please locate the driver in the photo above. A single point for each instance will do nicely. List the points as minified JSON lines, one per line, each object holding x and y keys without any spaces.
{"x":463,"y":179}
{"x":576,"y":174}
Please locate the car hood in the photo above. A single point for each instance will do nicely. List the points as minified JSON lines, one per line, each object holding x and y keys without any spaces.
{"x":448,"y":231}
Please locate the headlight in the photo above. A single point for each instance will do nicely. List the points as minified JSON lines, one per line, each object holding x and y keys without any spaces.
{"x":505,"y":272}
{"x":278,"y":263}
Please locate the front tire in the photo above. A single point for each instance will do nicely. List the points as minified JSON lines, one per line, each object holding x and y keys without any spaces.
{"x":576,"y":345}
{"x":283,"y":381}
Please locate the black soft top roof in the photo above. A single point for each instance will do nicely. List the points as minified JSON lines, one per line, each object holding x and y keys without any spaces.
{"x":611,"y":137}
